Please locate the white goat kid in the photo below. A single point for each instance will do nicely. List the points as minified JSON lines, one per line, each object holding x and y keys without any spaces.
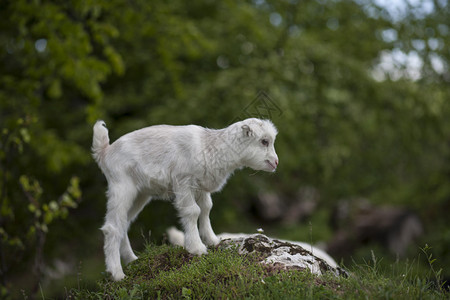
{"x":180,"y":163}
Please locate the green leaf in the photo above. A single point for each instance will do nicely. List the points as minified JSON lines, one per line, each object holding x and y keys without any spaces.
{"x":54,"y":90}
{"x":25,"y":135}
{"x":48,"y":217}
{"x":54,"y":206}
{"x":32,"y":208}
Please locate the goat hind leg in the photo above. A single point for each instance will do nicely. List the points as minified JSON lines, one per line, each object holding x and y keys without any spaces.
{"x":115,"y":228}
{"x":125,"y":247}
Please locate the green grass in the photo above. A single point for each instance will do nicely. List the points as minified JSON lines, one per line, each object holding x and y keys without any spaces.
{"x":167,"y":272}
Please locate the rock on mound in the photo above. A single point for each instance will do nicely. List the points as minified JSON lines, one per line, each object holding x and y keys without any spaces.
{"x":282,"y":254}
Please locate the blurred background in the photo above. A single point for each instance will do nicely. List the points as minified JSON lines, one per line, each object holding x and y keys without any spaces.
{"x":359,"y":91}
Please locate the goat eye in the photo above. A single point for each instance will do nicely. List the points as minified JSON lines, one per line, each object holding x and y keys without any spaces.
{"x":265,"y":142}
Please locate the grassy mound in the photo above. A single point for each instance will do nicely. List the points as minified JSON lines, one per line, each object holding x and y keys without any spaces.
{"x":167,"y":272}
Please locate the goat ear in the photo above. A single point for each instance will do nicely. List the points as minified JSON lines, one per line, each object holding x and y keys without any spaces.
{"x":247,"y":130}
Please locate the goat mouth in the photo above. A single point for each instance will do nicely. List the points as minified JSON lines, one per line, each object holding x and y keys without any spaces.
{"x":271,"y":165}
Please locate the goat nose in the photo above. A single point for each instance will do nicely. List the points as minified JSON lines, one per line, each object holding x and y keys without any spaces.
{"x":276,"y":162}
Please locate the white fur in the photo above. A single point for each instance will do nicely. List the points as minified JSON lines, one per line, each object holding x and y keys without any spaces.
{"x":180,"y":163}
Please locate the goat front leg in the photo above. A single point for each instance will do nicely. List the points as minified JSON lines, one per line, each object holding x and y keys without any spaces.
{"x":189,"y":212}
{"x":206,"y":232}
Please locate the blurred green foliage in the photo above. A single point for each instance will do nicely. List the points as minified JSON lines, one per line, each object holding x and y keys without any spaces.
{"x":352,"y":122}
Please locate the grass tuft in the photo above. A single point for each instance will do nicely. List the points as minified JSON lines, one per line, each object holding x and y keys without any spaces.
{"x":167,"y":272}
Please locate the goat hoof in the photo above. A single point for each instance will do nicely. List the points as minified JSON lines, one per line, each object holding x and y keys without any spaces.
{"x":130,"y":259}
{"x":118,"y":276}
{"x":198,"y":250}
{"x":213,"y":241}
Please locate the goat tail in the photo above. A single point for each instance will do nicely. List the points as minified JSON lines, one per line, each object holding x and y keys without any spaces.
{"x":100,"y":141}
